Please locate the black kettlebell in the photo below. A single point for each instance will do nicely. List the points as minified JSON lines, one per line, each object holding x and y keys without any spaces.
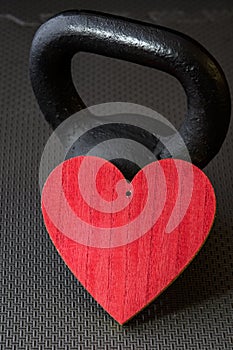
{"x":208,"y":99}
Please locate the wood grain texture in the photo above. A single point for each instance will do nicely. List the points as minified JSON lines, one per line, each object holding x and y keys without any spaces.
{"x":126,"y":242}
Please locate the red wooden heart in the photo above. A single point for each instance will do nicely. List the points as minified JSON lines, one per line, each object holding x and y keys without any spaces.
{"x":126,"y":242}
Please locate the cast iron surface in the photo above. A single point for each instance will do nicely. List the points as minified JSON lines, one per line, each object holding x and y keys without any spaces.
{"x":204,"y":127}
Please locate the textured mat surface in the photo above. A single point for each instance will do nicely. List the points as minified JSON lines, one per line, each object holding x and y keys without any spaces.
{"x":42,"y":305}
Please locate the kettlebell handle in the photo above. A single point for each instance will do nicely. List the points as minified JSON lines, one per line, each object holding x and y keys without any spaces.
{"x":208,"y":99}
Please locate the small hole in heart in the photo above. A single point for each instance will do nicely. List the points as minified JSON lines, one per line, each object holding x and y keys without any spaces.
{"x":128,"y":193}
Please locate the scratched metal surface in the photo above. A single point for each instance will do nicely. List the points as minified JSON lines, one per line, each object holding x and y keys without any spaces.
{"x":42,"y":305}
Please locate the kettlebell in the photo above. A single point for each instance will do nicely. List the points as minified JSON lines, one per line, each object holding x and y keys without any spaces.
{"x":208,"y":99}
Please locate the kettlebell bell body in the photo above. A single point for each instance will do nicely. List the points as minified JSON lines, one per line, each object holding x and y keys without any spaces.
{"x":126,"y":241}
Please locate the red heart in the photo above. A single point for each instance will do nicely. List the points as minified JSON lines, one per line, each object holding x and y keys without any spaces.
{"x":126,"y":242}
